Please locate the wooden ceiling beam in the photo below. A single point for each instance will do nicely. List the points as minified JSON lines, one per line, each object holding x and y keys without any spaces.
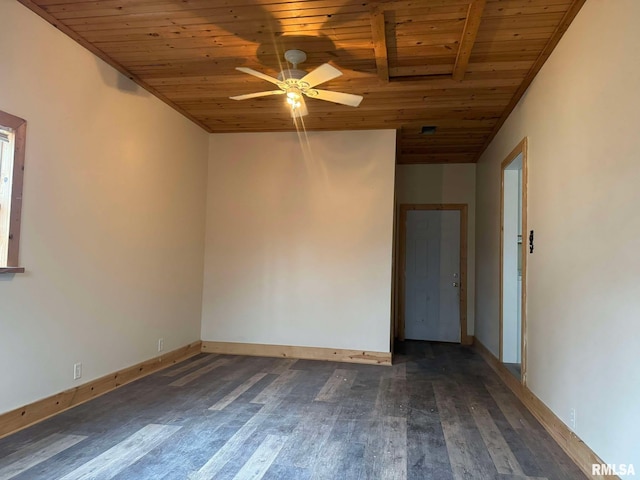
{"x":469,"y":33}
{"x":379,"y":38}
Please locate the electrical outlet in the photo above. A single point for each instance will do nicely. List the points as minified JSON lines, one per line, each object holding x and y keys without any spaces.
{"x":572,"y":419}
{"x":77,"y":371}
{"x":160,"y":344}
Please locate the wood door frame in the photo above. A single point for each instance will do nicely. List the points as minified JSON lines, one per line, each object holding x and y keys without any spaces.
{"x":463,"y":208}
{"x":521,"y":148}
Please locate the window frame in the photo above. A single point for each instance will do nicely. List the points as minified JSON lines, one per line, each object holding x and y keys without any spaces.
{"x":19,"y":127}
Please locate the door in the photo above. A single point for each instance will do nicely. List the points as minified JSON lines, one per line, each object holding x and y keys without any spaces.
{"x":432,"y":275}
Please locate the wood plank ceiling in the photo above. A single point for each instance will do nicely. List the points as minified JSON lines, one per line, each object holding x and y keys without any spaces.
{"x":458,"y":65}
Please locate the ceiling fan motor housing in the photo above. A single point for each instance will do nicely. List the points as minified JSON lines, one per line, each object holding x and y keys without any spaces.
{"x":295,"y":57}
{"x":290,"y":76}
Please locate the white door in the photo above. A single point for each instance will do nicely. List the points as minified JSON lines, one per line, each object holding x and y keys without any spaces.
{"x":432,"y":275}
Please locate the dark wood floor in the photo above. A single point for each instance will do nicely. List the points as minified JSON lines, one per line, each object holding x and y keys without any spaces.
{"x":438,"y":413}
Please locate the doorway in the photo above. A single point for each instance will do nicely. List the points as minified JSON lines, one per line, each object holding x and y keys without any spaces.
{"x":432,"y":261}
{"x":513,"y":261}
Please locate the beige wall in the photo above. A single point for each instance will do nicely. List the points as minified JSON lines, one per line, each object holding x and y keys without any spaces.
{"x":113,"y":218}
{"x":444,"y":184}
{"x":299,"y":239}
{"x":581,"y":118}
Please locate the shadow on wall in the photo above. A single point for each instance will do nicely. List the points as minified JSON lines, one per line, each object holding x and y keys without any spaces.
{"x":114,"y":79}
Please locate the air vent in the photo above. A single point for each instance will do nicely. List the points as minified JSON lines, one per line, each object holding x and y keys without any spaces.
{"x":427,"y":130}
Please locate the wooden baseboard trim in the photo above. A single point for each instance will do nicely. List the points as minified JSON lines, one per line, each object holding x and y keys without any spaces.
{"x":573,"y":446}
{"x":467,"y":340}
{"x":35,"y":412}
{"x":307,"y":353}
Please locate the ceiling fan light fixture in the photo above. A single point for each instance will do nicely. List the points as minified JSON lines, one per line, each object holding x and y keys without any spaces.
{"x":293,"y":98}
{"x":298,"y":109}
{"x":293,"y":94}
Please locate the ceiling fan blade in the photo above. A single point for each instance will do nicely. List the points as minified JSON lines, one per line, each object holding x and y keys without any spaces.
{"x":258,"y":74}
{"x":256,"y":95}
{"x":339,"y":97}
{"x":322,"y":74}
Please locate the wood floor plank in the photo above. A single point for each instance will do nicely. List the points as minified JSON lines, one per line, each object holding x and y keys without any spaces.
{"x":338,"y":461}
{"x":262,"y":458}
{"x":526,"y":459}
{"x":502,"y":456}
{"x":217,"y":462}
{"x":282,"y":472}
{"x":554,"y":462}
{"x":309,"y":437}
{"x":399,"y":370}
{"x":182,"y":381}
{"x":386,"y":449}
{"x":506,"y":476}
{"x":360,"y":400}
{"x":36,"y":453}
{"x":234,"y":444}
{"x":427,"y":454}
{"x":185,"y":366}
{"x":468,"y":459}
{"x":337,"y":385}
{"x":182,"y":454}
{"x":508,"y":404}
{"x":392,"y":397}
{"x":283,"y":365}
{"x":106,"y":465}
{"x":227,"y":399}
{"x":280,"y":386}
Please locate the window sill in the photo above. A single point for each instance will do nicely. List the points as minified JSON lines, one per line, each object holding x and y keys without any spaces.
{"x":11,"y":270}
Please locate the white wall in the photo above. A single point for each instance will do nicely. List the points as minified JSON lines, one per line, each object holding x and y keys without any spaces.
{"x":581,"y":115}
{"x":455,"y":183}
{"x":299,"y":239}
{"x":113,"y":217}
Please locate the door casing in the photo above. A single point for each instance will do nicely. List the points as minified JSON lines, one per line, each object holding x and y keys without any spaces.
{"x":521,"y":148}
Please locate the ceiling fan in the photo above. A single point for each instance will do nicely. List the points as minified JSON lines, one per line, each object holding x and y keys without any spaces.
{"x":295,"y":83}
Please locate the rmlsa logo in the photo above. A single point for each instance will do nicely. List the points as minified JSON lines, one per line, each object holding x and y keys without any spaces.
{"x":619,"y":469}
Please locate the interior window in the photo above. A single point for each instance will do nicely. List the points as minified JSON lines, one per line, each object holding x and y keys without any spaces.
{"x":12,"y":143}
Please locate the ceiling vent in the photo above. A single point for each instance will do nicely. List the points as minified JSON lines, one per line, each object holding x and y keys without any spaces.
{"x":428,"y":130}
